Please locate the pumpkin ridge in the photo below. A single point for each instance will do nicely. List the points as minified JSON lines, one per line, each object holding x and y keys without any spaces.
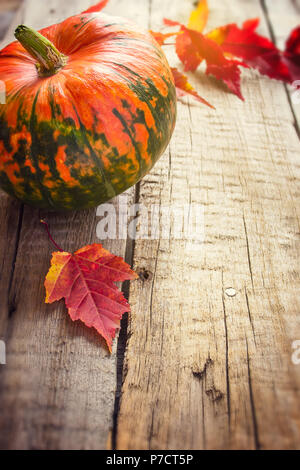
{"x":127,"y":131}
{"x":98,"y":162}
{"x":84,"y":24}
{"x":33,"y":154}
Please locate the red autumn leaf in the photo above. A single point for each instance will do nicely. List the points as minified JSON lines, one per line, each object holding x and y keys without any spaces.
{"x":230,"y":74}
{"x":256,"y":50}
{"x":293,"y":42}
{"x":183,"y":87}
{"x":192,"y":47}
{"x":291,"y":55}
{"x":223,"y":46}
{"x":86,"y":279}
{"x":189,"y":50}
{"x":98,"y":7}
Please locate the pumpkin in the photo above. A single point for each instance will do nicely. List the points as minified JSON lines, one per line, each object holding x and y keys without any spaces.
{"x":90,"y":107}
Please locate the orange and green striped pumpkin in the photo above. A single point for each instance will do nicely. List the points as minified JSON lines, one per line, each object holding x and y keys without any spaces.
{"x":90,"y":107}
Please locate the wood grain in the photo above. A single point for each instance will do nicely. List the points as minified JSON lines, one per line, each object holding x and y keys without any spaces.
{"x":57,"y":390}
{"x":204,"y":370}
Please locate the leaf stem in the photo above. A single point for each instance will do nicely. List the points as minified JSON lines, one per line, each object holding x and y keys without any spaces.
{"x":46,"y":225}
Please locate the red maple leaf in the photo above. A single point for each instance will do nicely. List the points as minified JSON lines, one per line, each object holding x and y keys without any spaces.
{"x":86,"y":279}
{"x":259,"y":52}
{"x":230,"y":74}
{"x":193,"y":47}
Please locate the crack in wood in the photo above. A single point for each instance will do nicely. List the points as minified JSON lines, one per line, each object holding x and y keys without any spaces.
{"x":226,"y":361}
{"x":248,"y":251}
{"x":253,"y":409}
{"x":249,"y":315}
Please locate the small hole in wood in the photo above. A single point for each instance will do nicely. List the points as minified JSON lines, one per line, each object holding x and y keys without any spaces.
{"x":144,"y":274}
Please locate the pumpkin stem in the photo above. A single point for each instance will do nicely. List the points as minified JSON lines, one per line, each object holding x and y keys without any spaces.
{"x":49,"y":59}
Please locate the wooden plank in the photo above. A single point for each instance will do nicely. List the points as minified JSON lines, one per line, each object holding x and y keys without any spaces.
{"x":282,"y":18}
{"x":203,"y":368}
{"x":57,"y":390}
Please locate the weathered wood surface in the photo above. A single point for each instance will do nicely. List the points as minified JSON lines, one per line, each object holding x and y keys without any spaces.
{"x":202,"y":369}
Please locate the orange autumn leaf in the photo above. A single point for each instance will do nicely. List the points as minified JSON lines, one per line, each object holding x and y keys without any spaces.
{"x":86,"y":280}
{"x":199,"y":17}
{"x":161,"y":37}
{"x":183,"y":87}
